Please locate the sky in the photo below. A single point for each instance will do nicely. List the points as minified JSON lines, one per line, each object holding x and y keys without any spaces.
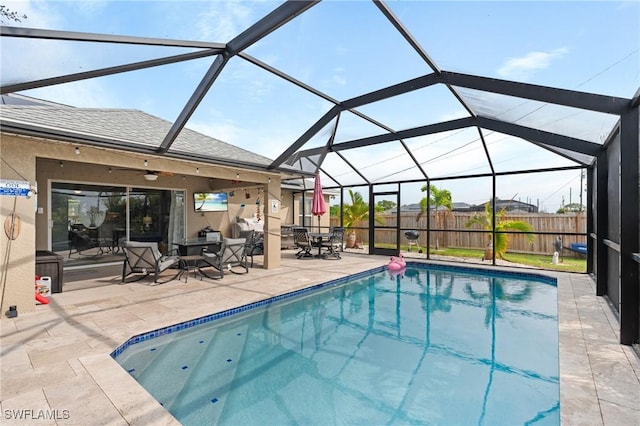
{"x":345,"y":49}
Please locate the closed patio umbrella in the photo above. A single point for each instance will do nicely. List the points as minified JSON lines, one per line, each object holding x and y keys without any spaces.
{"x":318,"y":207}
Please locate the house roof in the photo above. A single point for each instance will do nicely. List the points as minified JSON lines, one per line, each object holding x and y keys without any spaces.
{"x":127,"y":129}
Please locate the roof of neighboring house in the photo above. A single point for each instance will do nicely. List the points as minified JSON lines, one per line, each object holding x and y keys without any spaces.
{"x":415,"y":207}
{"x":461,"y":206}
{"x":126,"y":129}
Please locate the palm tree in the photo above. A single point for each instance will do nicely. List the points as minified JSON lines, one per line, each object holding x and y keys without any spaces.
{"x":200,"y":197}
{"x":355,"y":213}
{"x":501,"y":243}
{"x":437,"y":198}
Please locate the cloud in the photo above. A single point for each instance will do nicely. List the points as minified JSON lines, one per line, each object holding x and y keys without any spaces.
{"x":223,"y":21}
{"x":81,"y":94}
{"x":221,"y":129}
{"x":339,"y":80}
{"x":524,"y":67}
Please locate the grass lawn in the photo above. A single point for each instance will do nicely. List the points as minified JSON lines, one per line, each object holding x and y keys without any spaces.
{"x":568,"y":264}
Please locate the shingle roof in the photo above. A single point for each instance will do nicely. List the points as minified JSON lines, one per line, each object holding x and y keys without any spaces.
{"x":123,"y":127}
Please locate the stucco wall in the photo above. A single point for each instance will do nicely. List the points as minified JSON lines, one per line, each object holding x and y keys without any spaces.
{"x":18,"y":258}
{"x":37,"y":160}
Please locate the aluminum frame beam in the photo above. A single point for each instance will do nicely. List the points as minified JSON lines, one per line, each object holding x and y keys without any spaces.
{"x":21,"y":32}
{"x":271,"y":22}
{"x":537,"y":135}
{"x":391,"y":91}
{"x":278,"y":17}
{"x":306,"y":136}
{"x":402,"y":134}
{"x":196,"y":97}
{"x":68,"y":78}
{"x":564,"y":97}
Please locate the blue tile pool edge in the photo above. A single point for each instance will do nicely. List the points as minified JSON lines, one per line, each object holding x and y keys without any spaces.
{"x":229,"y":312}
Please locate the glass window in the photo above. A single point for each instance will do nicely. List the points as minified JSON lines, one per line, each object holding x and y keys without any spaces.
{"x":96,"y":220}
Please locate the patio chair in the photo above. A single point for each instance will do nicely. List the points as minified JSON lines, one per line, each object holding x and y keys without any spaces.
{"x":145,"y":258}
{"x":338,"y":237}
{"x":303,"y":242}
{"x":80,"y":241}
{"x":231,"y":256}
{"x":334,"y":243}
{"x":254,"y":244}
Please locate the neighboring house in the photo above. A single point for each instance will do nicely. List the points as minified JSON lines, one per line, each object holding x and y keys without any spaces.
{"x":512,"y":206}
{"x":414,"y":208}
{"x":462,"y":207}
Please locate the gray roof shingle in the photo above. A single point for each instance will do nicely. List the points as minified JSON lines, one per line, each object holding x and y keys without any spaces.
{"x":126,"y":126}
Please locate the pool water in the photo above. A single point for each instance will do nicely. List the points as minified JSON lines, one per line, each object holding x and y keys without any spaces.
{"x":434,"y":345}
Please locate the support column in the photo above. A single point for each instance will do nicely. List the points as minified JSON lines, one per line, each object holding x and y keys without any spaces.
{"x":629,"y":228}
{"x":602,"y":218}
{"x":272,"y":222}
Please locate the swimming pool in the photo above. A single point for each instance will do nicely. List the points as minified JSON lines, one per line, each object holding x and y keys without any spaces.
{"x":436,"y":345}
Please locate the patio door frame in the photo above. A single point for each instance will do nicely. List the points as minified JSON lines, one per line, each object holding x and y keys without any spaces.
{"x":127,"y":222}
{"x":373,"y":226}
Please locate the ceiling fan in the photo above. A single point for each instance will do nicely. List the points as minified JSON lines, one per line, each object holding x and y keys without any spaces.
{"x":150,"y":175}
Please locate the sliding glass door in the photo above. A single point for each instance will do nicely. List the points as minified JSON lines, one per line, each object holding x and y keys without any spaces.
{"x":94,"y":220}
{"x":156,"y":215}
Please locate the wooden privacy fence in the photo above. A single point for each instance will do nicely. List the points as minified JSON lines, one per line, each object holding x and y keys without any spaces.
{"x":452,"y":230}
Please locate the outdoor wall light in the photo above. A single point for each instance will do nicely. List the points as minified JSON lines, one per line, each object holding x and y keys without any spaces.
{"x":77,"y":150}
{"x":237,"y":175}
{"x":197,"y":169}
{"x":146,"y":163}
{"x":61,"y":164}
{"x":110,"y":170}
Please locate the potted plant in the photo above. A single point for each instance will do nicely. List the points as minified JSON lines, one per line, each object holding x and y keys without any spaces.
{"x":355,"y":213}
{"x":501,"y":242}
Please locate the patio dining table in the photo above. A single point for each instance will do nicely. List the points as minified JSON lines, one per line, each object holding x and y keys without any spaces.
{"x":194,"y":246}
{"x":319,"y":238}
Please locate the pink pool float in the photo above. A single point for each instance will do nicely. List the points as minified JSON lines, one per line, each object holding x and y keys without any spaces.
{"x":396,"y":264}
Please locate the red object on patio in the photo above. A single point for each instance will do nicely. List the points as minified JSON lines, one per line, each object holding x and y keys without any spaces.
{"x":318,"y":207}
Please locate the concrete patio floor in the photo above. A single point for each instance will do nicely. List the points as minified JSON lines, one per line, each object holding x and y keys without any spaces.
{"x":55,"y":361}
